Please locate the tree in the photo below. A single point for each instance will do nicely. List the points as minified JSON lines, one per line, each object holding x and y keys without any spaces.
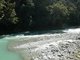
{"x":24,"y":9}
{"x":60,"y":12}
{"x":40,"y":16}
{"x":8,"y":17}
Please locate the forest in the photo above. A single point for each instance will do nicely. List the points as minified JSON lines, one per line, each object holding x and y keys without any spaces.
{"x":32,"y":15}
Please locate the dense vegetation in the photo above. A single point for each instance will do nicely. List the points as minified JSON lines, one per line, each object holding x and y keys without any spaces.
{"x":22,"y":15}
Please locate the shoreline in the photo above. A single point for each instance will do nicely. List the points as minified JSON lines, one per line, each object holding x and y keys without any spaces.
{"x":33,"y":48}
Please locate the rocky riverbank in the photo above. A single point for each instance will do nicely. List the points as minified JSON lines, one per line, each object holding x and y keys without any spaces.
{"x":58,"y":46}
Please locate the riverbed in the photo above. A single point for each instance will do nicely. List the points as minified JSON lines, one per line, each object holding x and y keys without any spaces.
{"x":64,"y":45}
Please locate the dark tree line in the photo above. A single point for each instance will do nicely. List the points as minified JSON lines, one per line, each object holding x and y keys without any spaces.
{"x":22,"y":15}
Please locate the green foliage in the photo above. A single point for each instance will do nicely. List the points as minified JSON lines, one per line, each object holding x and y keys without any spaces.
{"x":60,"y":12}
{"x":8,"y":12}
{"x":40,"y":14}
{"x":20,"y":15}
{"x":61,"y":7}
{"x":1,"y":7}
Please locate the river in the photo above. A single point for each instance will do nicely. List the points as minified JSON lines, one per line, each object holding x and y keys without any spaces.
{"x":53,"y":45}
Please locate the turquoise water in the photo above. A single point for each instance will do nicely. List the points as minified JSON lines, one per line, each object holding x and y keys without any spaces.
{"x":5,"y":54}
